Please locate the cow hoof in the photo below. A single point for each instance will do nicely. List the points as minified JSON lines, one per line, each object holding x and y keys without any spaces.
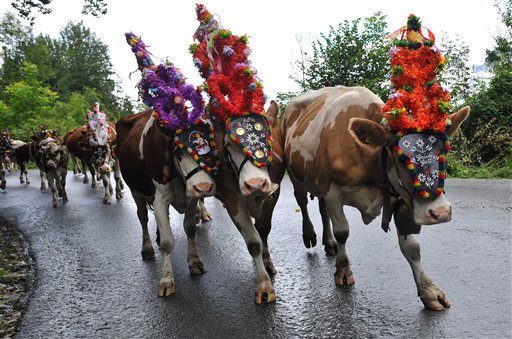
{"x":55,"y":205}
{"x":265,"y":294}
{"x":343,"y":276}
{"x":309,"y":240}
{"x":28,"y":182}
{"x":2,"y":185}
{"x":435,"y":300}
{"x":197,"y":267}
{"x":43,"y":188}
{"x":269,"y":266}
{"x":148,"y":254}
{"x":107,"y":201}
{"x":166,"y":287}
{"x":119,"y":195}
{"x":205,"y":216}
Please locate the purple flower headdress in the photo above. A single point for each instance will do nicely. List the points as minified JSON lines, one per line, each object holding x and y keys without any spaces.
{"x":177,"y":104}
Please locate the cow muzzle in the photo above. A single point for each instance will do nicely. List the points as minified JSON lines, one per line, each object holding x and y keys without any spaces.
{"x":256,"y":186}
{"x":203,"y":189}
{"x":432,"y":212}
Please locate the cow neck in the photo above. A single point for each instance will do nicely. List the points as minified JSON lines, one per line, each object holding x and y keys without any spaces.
{"x":389,"y":193}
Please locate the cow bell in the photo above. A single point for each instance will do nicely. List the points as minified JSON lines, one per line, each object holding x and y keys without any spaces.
{"x":404,"y":220}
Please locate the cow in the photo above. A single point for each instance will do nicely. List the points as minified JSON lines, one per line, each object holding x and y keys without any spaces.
{"x":160,"y":174}
{"x":13,"y":152}
{"x":52,"y":159}
{"x":335,"y":148}
{"x":99,"y":159}
{"x":34,"y":147}
{"x":243,"y":199}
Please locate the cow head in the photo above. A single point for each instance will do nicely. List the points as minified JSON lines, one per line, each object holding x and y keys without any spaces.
{"x":194,"y":154}
{"x":50,"y":152}
{"x":247,"y":147}
{"x":415,"y":208}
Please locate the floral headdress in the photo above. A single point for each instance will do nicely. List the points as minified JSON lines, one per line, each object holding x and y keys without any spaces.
{"x":163,"y":88}
{"x":97,"y":127}
{"x":419,"y":106}
{"x":236,"y":93}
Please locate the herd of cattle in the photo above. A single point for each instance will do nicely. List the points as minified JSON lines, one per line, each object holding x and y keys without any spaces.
{"x":329,"y":141}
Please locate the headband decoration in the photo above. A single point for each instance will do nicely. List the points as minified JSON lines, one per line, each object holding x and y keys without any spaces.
{"x":417,"y":110}
{"x":235,"y":92}
{"x":177,"y":106}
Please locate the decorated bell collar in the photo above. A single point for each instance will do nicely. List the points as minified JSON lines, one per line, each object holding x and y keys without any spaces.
{"x":424,"y":153}
{"x":198,"y":141}
{"x":252,"y":133}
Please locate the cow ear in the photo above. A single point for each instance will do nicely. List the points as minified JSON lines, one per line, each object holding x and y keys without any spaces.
{"x":368,"y":133}
{"x":457,"y":119}
{"x":273,"y":113}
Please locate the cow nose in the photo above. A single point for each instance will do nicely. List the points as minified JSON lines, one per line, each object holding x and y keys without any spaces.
{"x":256,"y":185}
{"x":203,"y":189}
{"x":441,"y":214}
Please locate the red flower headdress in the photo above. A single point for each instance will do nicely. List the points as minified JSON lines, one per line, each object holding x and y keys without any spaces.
{"x":231,"y":82}
{"x":419,"y":106}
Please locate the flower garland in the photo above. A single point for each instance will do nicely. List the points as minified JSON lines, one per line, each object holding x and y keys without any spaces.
{"x":164,"y":89}
{"x":419,"y":104}
{"x":418,"y":101}
{"x":222,"y":60}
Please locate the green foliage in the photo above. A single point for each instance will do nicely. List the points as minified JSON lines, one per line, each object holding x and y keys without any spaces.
{"x":26,"y":7}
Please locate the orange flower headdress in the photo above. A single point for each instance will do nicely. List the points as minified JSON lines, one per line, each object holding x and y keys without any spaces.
{"x":236,"y":93}
{"x":417,"y":111}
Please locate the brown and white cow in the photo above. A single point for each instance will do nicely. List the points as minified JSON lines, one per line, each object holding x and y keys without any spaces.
{"x":332,"y":141}
{"x":52,"y":159}
{"x":159,"y":174}
{"x":243,"y":199}
{"x":72,"y":139}
{"x":99,"y":159}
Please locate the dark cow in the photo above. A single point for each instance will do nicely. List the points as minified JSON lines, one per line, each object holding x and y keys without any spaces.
{"x":72,"y":139}
{"x":34,"y":147}
{"x":13,"y":152}
{"x":52,"y":159}
{"x":336,"y":149}
{"x":160,"y":174}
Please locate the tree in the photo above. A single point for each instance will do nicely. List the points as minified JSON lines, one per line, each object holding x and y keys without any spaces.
{"x":25,"y":7}
{"x":84,"y":62}
{"x":353,"y":54}
{"x":14,"y":37}
{"x":28,"y":103}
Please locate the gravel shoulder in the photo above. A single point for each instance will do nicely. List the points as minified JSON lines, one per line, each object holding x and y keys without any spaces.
{"x":15,"y":273}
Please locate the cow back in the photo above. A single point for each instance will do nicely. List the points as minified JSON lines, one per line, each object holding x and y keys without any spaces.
{"x":318,"y":148}
{"x":138,"y":169}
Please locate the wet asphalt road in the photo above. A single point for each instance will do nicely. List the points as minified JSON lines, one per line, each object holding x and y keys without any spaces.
{"x":91,"y":282}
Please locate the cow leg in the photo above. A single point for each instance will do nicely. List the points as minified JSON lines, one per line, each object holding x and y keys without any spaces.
{"x":308,"y":230}
{"x":107,"y":198}
{"x":43,"y":184}
{"x":264,"y":225}
{"x":62,"y":185}
{"x":84,"y":172}
{"x":238,"y":212}
{"x":328,"y":240}
{"x":75,"y":164}
{"x":340,"y":225}
{"x":51,"y":175}
{"x":3,"y":182}
{"x":431,"y":295}
{"x":147,"y":251}
{"x":195,"y":265}
{"x":24,"y":174}
{"x":202,"y":213}
{"x":163,"y":197}
{"x":119,"y":181}
{"x":92,"y":170}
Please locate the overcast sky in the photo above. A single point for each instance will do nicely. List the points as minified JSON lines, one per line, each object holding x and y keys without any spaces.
{"x":273,"y":27}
